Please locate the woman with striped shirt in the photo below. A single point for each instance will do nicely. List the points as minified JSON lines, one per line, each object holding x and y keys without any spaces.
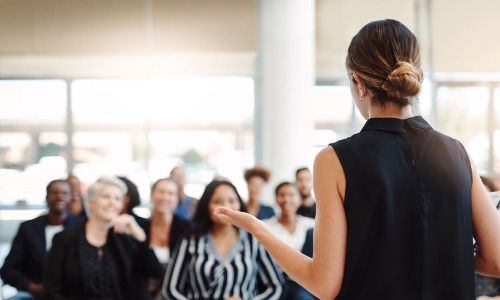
{"x":219,"y":261}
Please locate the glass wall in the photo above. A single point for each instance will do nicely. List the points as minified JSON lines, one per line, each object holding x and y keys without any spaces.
{"x":462,"y":113}
{"x":462,"y":110}
{"x":32,"y":139}
{"x":143,"y":128}
{"x":135,"y":128}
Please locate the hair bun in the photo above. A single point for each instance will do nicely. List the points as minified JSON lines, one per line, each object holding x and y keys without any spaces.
{"x":404,"y":82}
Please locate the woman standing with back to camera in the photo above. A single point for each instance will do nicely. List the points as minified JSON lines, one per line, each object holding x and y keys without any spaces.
{"x":398,"y":203}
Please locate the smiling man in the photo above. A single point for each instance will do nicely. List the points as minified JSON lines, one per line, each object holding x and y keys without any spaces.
{"x":23,"y":266}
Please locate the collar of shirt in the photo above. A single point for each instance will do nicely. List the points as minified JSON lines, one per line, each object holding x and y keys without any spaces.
{"x":396,"y":125}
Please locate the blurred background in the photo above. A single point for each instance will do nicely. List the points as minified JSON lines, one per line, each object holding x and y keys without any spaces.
{"x":135,"y":87}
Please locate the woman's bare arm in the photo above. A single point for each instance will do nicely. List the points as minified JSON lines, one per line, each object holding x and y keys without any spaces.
{"x":486,"y":222}
{"x":323,"y":274}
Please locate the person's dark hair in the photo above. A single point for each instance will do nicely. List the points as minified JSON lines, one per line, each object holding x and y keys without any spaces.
{"x":300,"y":170}
{"x":385,"y":55}
{"x":285,"y":183}
{"x":202,"y":222}
{"x":49,"y":186}
{"x":132,"y":193}
{"x":257,"y":171}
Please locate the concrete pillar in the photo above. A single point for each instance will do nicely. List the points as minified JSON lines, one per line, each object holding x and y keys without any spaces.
{"x":285,"y":75}
{"x":70,"y":128}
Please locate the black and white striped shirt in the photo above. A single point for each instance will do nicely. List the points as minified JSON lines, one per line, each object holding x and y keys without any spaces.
{"x":197,"y":271}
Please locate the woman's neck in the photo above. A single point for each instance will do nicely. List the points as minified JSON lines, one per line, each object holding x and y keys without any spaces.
{"x":160,"y":229}
{"x":96,"y":231}
{"x":289,"y":222}
{"x":223,"y":229}
{"x":224,"y":237}
{"x":389,"y":110}
{"x":253,"y":206}
{"x":288,"y":218}
{"x":159,"y":218}
{"x":253,"y":200}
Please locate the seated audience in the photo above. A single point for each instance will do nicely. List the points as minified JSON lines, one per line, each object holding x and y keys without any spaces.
{"x":256,"y":178}
{"x":290,"y":228}
{"x":164,"y":229}
{"x":25,"y":263}
{"x":187,"y":205}
{"x":97,"y":259}
{"x":219,"y":261}
{"x":303,"y":179}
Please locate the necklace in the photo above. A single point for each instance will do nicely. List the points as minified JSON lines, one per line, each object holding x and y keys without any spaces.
{"x":159,"y":235}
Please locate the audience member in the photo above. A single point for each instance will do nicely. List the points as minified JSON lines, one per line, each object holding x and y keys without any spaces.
{"x":131,"y":200}
{"x":219,"y":261}
{"x":97,"y":259}
{"x":290,"y":228}
{"x":308,"y":247}
{"x":25,"y":263}
{"x":255,"y":179}
{"x":75,"y":206}
{"x":303,"y":179}
{"x":187,"y":205}
{"x":164,"y":229}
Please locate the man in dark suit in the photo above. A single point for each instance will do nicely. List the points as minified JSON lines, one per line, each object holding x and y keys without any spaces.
{"x":24,"y":265}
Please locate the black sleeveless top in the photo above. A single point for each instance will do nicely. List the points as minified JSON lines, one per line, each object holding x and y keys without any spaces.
{"x":408,"y":209}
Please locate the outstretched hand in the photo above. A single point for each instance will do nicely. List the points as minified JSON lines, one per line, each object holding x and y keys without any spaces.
{"x":239,"y":219}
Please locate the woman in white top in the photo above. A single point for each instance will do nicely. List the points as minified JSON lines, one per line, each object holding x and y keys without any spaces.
{"x":165,"y":228}
{"x":291,"y":228}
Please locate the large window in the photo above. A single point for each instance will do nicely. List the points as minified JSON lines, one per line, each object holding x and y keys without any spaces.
{"x":143,"y":128}
{"x":462,"y":113}
{"x":134,"y":128}
{"x":32,"y":139}
{"x":461,"y":110}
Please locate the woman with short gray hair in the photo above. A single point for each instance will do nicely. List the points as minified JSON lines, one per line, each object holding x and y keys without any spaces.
{"x":97,"y":259}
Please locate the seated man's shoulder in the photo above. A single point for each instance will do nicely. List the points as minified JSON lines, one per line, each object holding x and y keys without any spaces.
{"x":34,"y":224}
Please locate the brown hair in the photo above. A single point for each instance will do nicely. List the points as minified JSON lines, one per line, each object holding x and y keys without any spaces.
{"x":257,"y":171}
{"x":385,"y":55}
